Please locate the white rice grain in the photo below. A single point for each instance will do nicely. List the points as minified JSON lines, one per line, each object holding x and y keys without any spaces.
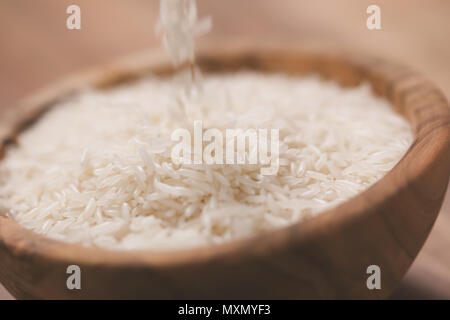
{"x":96,"y":169}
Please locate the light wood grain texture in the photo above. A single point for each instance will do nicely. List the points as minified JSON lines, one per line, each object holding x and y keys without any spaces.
{"x":36,"y":49}
{"x":325,"y":257}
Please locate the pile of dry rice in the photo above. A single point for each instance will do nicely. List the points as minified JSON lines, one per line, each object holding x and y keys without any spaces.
{"x":97,"y":169}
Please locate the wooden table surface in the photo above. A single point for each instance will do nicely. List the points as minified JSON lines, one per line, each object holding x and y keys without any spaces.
{"x":36,"y":49}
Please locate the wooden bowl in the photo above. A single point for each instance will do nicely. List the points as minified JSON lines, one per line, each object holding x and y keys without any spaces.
{"x":325,"y":257}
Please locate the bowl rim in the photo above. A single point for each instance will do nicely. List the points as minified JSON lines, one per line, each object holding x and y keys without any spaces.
{"x":22,"y":241}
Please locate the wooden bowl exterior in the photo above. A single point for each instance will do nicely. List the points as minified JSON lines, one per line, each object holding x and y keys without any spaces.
{"x":325,"y":257}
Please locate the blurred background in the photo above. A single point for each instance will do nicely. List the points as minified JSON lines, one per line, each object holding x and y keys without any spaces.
{"x":37,"y":49}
